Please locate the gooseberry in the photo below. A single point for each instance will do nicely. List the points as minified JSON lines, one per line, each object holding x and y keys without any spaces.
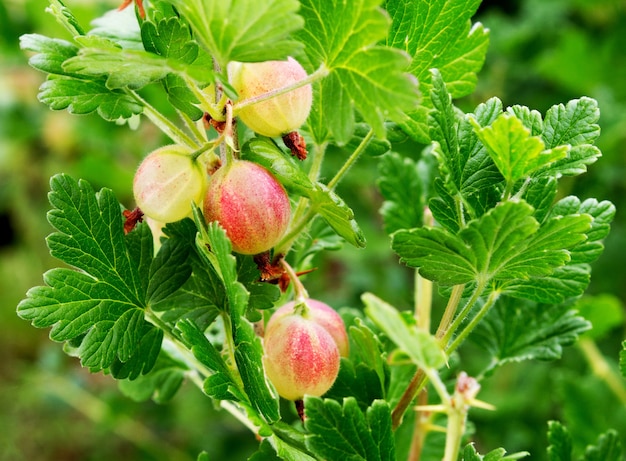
{"x":250,"y":204}
{"x":166,"y":183}
{"x":301,"y":357}
{"x":320,"y":313}
{"x":278,"y":115}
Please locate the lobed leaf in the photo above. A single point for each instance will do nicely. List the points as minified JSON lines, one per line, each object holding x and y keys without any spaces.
{"x":342,"y":37}
{"x":560,"y":442}
{"x":515,"y":330}
{"x":245,"y":30}
{"x":100,"y":306}
{"x":443,"y":38}
{"x":80,"y":96}
{"x":343,"y":431}
{"x":608,"y":448}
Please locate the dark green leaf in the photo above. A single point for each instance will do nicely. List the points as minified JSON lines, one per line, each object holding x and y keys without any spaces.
{"x":356,"y":380}
{"x":215,"y":246}
{"x":169,"y":270}
{"x":563,"y":283}
{"x":169,"y":38}
{"x":161,"y":384}
{"x":85,"y":96}
{"x":102,"y":303}
{"x":516,"y":330}
{"x":249,"y":30}
{"x":443,"y":38}
{"x":404,"y":206}
{"x":438,"y":254}
{"x":339,"y":431}
{"x":343,"y":37}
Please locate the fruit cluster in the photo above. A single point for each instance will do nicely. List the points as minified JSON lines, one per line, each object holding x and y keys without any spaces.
{"x":245,"y":198}
{"x":303,"y":340}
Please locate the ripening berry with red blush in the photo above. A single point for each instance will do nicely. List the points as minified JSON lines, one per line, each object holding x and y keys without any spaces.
{"x":278,"y":115}
{"x":250,"y":204}
{"x":167,"y":182}
{"x":320,"y":313}
{"x":301,"y":357}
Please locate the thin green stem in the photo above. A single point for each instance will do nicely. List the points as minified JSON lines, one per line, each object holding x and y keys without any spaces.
{"x":198,"y":134}
{"x":300,"y":292}
{"x":317,"y":75}
{"x":214,"y":110}
{"x":491,"y":299}
{"x":351,"y":160}
{"x":478,"y":291}
{"x":423,"y":301}
{"x":451,"y":307}
{"x":415,"y":386}
{"x":164,"y":124}
{"x":319,"y":152}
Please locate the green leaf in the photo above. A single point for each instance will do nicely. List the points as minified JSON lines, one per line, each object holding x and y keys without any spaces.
{"x":356,"y":380}
{"x":120,"y":27}
{"x":516,"y":153}
{"x":602,"y":214}
{"x":608,"y":448}
{"x":443,"y":38}
{"x":169,"y":38}
{"x":560,"y":448}
{"x":102,"y":303}
{"x":563,"y":283}
{"x":404,"y":206}
{"x":343,"y":37}
{"x":215,"y":246}
{"x":266,"y":153}
{"x":123,"y":68}
{"x":622,"y":359}
{"x":161,"y":384}
{"x":337,"y":214}
{"x":504,"y":244}
{"x":248,"y":30}
{"x":369,"y":351}
{"x":516,"y":330}
{"x":169,"y":270}
{"x":80,"y":96}
{"x":499,"y":454}
{"x":339,"y":431}
{"x":419,"y":345}
{"x":50,"y":52}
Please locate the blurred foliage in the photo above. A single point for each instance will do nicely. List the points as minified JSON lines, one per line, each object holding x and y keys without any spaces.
{"x":542,"y":52}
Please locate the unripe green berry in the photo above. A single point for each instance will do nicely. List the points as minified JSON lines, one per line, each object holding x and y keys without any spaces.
{"x":166,"y":183}
{"x":250,"y":204}
{"x":320,"y":313}
{"x":301,"y":358}
{"x":279,"y":115}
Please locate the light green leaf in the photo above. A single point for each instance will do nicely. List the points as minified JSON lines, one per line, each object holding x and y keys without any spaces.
{"x":443,"y":38}
{"x":419,"y":345}
{"x":339,"y":431}
{"x":343,"y":37}
{"x":337,"y":214}
{"x":86,"y":96}
{"x":515,"y":330}
{"x":247,"y":30}
{"x":516,"y":153}
{"x":50,"y":52}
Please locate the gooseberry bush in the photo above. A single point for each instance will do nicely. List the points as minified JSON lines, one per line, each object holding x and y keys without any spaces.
{"x":234,"y":210}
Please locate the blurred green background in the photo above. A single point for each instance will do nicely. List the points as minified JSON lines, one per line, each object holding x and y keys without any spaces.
{"x":542,"y":52}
